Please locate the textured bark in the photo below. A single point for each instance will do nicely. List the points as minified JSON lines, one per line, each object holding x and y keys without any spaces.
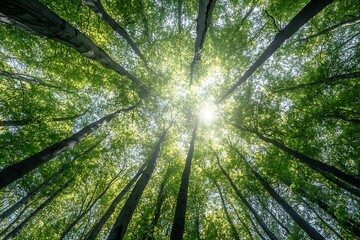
{"x":308,"y":12}
{"x":17,"y":170}
{"x":318,"y":166}
{"x":322,"y":81}
{"x":18,"y":228}
{"x":203,"y":22}
{"x":313,"y":234}
{"x":347,"y":23}
{"x":247,"y":204}
{"x":232,"y":226}
{"x":34,"y":17}
{"x":101,"y":222}
{"x":178,"y":225}
{"x":122,"y":221}
{"x":88,"y":207}
{"x":98,"y":9}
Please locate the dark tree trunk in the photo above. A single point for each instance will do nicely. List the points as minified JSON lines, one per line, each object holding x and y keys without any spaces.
{"x":18,"y":228}
{"x":332,"y":28}
{"x":318,"y":166}
{"x":242,"y":222}
{"x":293,"y":214}
{"x":203,"y":22}
{"x":19,"y":169}
{"x":308,"y":12}
{"x":46,"y":183}
{"x":101,"y":222}
{"x":34,"y":17}
{"x":159,"y":202}
{"x":98,"y":9}
{"x":322,"y":81}
{"x":247,"y":204}
{"x":256,"y":229}
{"x":277,"y":220}
{"x":232,"y":226}
{"x":179,"y":9}
{"x":14,"y":221}
{"x":122,"y":221}
{"x":178,"y":225}
{"x":88,"y":208}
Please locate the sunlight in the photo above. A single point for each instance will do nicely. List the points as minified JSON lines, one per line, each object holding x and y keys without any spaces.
{"x":207,"y":113}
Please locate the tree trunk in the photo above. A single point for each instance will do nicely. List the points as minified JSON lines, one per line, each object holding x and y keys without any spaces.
{"x":242,"y":222}
{"x":203,"y":22}
{"x":247,"y":204}
{"x":322,"y":81}
{"x":19,"y":169}
{"x":98,"y":9}
{"x":122,"y":221}
{"x":18,"y":228}
{"x":256,"y":229}
{"x":308,"y":12}
{"x":159,"y":202}
{"x":14,"y":221}
{"x":179,"y":12}
{"x":46,"y":183}
{"x":318,"y":166}
{"x":88,"y":208}
{"x":178,"y":225}
{"x":277,"y":220}
{"x":98,"y":226}
{"x":293,"y":214}
{"x":332,"y":28}
{"x":34,"y":17}
{"x":232,"y":226}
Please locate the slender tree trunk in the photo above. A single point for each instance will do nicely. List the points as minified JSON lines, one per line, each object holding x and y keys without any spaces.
{"x":318,"y":166}
{"x":332,"y":28}
{"x":293,"y":214}
{"x":101,"y":222}
{"x":18,"y":228}
{"x":122,"y":221}
{"x":345,"y":222}
{"x":308,"y":12}
{"x":321,"y":219}
{"x":178,"y":225}
{"x":242,"y":222}
{"x":232,"y":226}
{"x":98,"y":9}
{"x":159,"y":202}
{"x":322,"y":81}
{"x":256,"y":229}
{"x":203,"y":22}
{"x":14,"y":221}
{"x":19,"y":169}
{"x":89,"y":207}
{"x":34,"y":17}
{"x":247,"y":204}
{"x":277,"y":220}
{"x":179,"y":9}
{"x":46,"y":183}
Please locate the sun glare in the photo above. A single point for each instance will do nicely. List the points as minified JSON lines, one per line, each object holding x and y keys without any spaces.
{"x":207,"y":113}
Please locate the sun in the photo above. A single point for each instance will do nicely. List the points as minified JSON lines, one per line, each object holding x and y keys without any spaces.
{"x":207,"y":113}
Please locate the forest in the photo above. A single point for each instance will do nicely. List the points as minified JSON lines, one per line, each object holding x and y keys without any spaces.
{"x":180,"y":119}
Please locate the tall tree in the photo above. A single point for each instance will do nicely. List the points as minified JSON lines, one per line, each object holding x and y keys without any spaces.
{"x":178,"y":225}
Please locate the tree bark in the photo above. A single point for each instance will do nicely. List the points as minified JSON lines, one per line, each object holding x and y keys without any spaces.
{"x":179,"y":12}
{"x":293,"y":214}
{"x":332,"y":28}
{"x":122,"y":221}
{"x":247,"y":204}
{"x":203,"y":22}
{"x":308,"y":12}
{"x":318,"y":166}
{"x":88,"y":208}
{"x":34,"y":17}
{"x":178,"y":225}
{"x":19,"y":169}
{"x":256,"y":229}
{"x":98,"y":9}
{"x":322,"y":81}
{"x":18,"y":228}
{"x":232,"y":226}
{"x":101,"y":222}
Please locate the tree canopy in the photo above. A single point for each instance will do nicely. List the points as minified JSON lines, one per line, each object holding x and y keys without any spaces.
{"x":172,"y":119}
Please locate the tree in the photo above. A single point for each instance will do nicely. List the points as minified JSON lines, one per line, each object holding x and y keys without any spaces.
{"x":89,"y":89}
